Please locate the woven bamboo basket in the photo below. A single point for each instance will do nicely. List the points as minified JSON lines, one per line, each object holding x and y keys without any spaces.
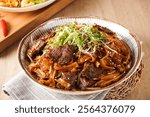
{"x":122,"y":90}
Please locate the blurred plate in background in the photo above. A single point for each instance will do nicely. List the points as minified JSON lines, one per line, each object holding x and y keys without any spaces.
{"x":29,"y":8}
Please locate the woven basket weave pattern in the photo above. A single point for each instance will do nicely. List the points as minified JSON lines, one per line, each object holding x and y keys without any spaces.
{"x":125,"y":88}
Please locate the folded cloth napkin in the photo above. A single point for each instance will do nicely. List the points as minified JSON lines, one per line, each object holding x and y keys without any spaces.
{"x":22,"y":88}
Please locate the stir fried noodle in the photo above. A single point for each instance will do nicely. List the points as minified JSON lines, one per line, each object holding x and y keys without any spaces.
{"x":78,"y":56}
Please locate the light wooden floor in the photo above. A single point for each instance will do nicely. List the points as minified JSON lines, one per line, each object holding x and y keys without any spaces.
{"x":133,"y":14}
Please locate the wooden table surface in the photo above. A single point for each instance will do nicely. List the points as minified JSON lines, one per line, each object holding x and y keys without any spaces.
{"x":133,"y":14}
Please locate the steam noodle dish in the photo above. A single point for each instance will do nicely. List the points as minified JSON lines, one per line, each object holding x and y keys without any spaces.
{"x":20,"y":3}
{"x":78,"y":56}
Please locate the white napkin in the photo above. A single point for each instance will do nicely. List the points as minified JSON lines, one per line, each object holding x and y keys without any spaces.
{"x":22,"y":88}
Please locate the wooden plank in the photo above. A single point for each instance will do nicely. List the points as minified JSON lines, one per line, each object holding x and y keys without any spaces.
{"x":20,"y":24}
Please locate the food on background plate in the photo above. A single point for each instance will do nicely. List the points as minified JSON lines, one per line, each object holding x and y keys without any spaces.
{"x":79,"y":56}
{"x":20,"y":3}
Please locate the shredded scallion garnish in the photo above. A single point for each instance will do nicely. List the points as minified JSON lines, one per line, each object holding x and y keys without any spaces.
{"x":84,"y":36}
